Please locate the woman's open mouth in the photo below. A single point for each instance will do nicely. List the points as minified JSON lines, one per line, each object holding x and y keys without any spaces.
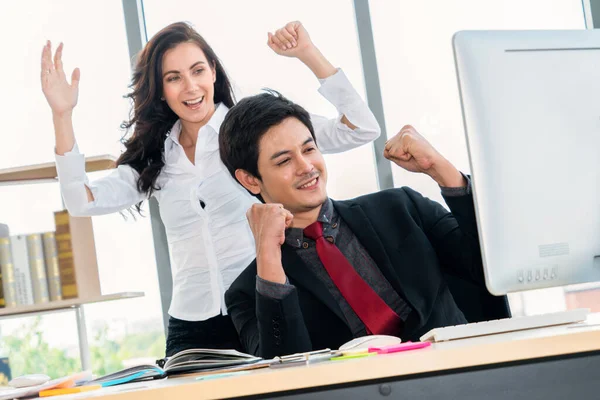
{"x":194,"y":104}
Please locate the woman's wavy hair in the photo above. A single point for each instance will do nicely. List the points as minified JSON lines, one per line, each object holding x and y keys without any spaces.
{"x":152,"y":118}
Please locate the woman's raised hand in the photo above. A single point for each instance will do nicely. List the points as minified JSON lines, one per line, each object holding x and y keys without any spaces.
{"x":61,"y":96}
{"x":291,"y":41}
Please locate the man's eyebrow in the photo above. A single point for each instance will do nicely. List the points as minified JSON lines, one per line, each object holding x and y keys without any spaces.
{"x":176,"y":71}
{"x":279,"y":153}
{"x":282,"y":152}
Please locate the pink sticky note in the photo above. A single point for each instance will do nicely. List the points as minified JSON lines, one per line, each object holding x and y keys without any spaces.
{"x":395,"y":348}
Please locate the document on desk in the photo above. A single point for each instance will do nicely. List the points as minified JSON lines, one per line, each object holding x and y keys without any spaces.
{"x":310,"y":357}
{"x":302,"y":361}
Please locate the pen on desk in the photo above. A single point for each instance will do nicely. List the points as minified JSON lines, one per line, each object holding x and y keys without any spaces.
{"x":350,"y":356}
{"x":399,"y":347}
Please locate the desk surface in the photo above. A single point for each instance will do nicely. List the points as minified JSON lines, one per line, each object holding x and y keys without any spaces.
{"x":496,"y":349}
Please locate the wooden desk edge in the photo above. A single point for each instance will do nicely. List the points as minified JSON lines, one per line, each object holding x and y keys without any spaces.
{"x":372,"y":368}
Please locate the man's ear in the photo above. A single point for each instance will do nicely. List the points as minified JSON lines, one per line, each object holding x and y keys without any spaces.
{"x":247,"y":180}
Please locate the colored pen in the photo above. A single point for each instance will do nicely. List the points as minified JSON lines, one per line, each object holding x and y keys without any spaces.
{"x":399,"y":347}
{"x":354,"y":355}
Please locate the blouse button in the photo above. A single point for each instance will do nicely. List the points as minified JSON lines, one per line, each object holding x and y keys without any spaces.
{"x":305,"y":245}
{"x":334,"y":225}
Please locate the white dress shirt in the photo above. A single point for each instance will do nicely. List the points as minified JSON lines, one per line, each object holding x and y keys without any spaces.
{"x":209,"y":247}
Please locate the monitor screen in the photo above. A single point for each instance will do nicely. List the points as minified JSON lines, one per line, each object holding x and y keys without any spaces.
{"x":531,"y":110}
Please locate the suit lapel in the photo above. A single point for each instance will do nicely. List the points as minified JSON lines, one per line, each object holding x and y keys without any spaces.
{"x":301,"y":275}
{"x":354,"y":216}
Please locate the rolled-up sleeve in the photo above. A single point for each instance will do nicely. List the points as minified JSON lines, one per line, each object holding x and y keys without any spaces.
{"x":458,"y":191}
{"x":273,"y":290}
{"x":333,"y":136}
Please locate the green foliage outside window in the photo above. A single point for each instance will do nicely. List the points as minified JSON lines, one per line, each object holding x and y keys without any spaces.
{"x":28,"y":353}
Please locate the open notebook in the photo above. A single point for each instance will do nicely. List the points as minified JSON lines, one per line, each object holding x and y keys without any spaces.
{"x":186,"y":361}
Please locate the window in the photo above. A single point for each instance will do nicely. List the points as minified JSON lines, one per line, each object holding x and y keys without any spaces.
{"x":95,"y":41}
{"x":240,"y":42}
{"x":413,"y":42}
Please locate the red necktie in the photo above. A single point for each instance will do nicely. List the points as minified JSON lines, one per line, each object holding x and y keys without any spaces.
{"x":377,"y":316}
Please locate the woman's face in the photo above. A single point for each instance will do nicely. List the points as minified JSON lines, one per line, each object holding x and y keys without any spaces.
{"x":188,"y":84}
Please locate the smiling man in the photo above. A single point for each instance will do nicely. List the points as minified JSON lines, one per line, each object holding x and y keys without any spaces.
{"x":328,"y":271}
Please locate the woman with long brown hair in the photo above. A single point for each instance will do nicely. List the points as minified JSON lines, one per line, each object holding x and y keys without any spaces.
{"x":181,"y":94}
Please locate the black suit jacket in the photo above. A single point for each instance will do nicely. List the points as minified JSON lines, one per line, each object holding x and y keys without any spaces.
{"x":414,"y":241}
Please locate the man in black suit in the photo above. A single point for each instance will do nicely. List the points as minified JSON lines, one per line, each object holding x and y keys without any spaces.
{"x":328,"y":271}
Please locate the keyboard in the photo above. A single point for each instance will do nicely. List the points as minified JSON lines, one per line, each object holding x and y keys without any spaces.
{"x":505,"y":325}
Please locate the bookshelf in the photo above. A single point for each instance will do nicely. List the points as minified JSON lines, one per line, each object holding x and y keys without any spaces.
{"x":65,"y":304}
{"x":44,"y":173}
{"x":41,"y":173}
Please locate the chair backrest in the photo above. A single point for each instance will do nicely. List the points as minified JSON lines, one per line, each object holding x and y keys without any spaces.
{"x":476,"y":303}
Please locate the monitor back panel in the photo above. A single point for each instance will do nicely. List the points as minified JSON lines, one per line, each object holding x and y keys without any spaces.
{"x":531,"y":107}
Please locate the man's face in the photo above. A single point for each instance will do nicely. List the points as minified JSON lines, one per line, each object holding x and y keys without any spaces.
{"x":292,"y":168}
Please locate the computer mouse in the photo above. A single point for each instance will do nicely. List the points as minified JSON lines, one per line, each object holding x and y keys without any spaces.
{"x":364,"y":342}
{"x":28,"y":380}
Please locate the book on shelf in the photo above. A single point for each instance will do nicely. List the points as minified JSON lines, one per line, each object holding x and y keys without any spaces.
{"x":36,"y":264}
{"x":37,"y":267}
{"x":5,"y":374}
{"x":52,"y":268}
{"x":186,"y":361}
{"x":7,"y":269}
{"x":76,"y":256}
{"x":20,"y":258}
{"x":7,"y":272}
{"x":49,"y":266}
{"x":4,"y":232}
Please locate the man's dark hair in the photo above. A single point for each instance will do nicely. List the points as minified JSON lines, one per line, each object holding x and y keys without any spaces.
{"x":248,"y":121}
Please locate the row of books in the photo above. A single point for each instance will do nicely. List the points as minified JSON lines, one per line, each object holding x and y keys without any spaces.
{"x":37,"y":268}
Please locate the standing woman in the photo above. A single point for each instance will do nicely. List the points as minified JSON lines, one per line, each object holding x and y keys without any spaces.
{"x":180,"y":95}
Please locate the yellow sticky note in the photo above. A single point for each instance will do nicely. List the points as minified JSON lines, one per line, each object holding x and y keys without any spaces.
{"x":78,"y":389}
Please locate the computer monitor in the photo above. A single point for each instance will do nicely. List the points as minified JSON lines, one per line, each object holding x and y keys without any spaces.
{"x":531,"y":110}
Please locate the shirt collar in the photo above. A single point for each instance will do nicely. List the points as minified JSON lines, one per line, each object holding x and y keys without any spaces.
{"x":217,"y":118}
{"x":214,"y":123}
{"x":295,"y":236}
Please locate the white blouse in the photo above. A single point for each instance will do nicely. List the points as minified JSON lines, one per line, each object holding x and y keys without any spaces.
{"x":209,"y":247}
